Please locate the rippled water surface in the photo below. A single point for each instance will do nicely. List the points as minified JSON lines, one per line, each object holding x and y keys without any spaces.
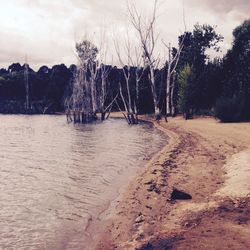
{"x":55,"y":177}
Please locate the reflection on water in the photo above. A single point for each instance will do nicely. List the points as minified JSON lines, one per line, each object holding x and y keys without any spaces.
{"x":56,"y":177}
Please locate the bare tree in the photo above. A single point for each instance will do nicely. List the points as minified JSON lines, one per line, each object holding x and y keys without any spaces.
{"x":170,"y":81}
{"x":84,"y":85}
{"x":173,"y":60}
{"x":148,"y":38}
{"x":126,"y":69}
{"x":104,"y":70}
{"x":93,"y":70}
{"x":105,"y":93}
{"x":28,"y":105}
{"x":132,"y":70}
{"x":90,"y":86}
{"x":137,"y":62}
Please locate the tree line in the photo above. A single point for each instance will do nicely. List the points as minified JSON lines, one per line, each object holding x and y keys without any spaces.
{"x":195,"y":84}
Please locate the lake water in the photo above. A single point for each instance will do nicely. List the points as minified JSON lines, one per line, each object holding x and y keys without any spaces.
{"x":56,"y":177}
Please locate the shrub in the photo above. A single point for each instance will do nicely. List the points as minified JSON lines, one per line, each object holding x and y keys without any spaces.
{"x":229,"y":109}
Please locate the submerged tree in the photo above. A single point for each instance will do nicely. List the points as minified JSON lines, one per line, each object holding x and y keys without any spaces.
{"x":89,"y":88}
{"x":132,"y":72}
{"x":82,"y":102}
{"x":27,"y":91}
{"x":104,"y":109}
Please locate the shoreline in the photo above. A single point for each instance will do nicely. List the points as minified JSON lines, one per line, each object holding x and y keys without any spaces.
{"x":95,"y":225}
{"x":193,"y":161}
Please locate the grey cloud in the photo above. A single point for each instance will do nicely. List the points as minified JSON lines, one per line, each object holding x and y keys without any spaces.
{"x":47,"y":29}
{"x":40,"y":50}
{"x":223,"y":6}
{"x":36,"y":60}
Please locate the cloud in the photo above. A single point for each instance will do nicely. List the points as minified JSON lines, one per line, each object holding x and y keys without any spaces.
{"x":46,"y":30}
{"x":242,"y":7}
{"x":224,"y":14}
{"x":43,"y":32}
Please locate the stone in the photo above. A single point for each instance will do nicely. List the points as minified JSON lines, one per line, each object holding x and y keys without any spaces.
{"x":139,"y":219}
{"x":180,"y":195}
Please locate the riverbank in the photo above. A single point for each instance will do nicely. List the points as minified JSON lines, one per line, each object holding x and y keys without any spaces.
{"x":205,"y":158}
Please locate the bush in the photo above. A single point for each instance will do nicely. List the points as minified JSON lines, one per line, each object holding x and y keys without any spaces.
{"x":205,"y":112}
{"x":229,"y":109}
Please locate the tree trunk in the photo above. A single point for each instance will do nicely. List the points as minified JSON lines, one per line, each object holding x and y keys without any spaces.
{"x":172,"y":97}
{"x":103,"y":114}
{"x":168,"y":97}
{"x":93,"y":96}
{"x":155,"y":99}
{"x":168,"y":92}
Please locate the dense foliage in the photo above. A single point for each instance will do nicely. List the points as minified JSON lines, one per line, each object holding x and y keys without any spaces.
{"x":201,"y":89}
{"x":47,"y":88}
{"x":235,"y":70}
{"x":50,"y":88}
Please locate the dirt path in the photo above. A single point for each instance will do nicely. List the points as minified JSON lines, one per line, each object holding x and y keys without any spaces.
{"x":204,"y":159}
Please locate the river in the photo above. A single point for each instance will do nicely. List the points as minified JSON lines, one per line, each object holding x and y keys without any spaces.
{"x":56,"y":177}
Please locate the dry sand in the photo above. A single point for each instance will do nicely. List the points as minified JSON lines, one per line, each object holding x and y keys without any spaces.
{"x":210,"y":161}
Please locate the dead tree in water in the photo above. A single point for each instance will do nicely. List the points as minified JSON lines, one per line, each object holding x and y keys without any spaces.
{"x":28,"y":106}
{"x":132,"y":74}
{"x":83,"y":100}
{"x":103,"y":108}
{"x":88,"y":98}
{"x":105,"y":93}
{"x":139,"y":71}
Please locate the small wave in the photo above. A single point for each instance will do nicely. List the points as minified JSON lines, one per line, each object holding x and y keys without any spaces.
{"x":58,"y":178}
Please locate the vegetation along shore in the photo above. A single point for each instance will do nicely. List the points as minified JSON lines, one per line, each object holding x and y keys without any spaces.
{"x":189,"y":82}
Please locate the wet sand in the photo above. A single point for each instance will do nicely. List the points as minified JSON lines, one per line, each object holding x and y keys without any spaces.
{"x":205,"y":158}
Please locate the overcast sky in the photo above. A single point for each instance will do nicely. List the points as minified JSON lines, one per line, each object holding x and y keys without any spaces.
{"x":46,"y":30}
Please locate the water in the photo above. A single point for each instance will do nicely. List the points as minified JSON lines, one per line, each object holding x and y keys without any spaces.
{"x":55,"y":177}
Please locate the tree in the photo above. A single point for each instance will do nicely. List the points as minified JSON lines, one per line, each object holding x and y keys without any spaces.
{"x":172,"y":63}
{"x":131,"y":62}
{"x":84,"y":86}
{"x":195,"y":45}
{"x":89,"y":90}
{"x":46,"y":89}
{"x":236,"y":76}
{"x":185,"y":91}
{"x":146,"y":29}
{"x":28,"y":105}
{"x":103,"y":92}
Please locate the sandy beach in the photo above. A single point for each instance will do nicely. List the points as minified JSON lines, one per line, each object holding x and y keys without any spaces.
{"x":208,"y":160}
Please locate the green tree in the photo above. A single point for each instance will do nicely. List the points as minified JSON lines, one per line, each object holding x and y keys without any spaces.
{"x":196,"y":43}
{"x":194,"y":54}
{"x":184,"y":93}
{"x":236,"y":75}
{"x":86,"y":51}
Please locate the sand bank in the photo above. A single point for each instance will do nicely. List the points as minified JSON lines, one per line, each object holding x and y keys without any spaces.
{"x":205,"y":158}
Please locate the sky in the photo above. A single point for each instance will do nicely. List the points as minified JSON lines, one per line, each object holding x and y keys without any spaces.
{"x":45,"y":31}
